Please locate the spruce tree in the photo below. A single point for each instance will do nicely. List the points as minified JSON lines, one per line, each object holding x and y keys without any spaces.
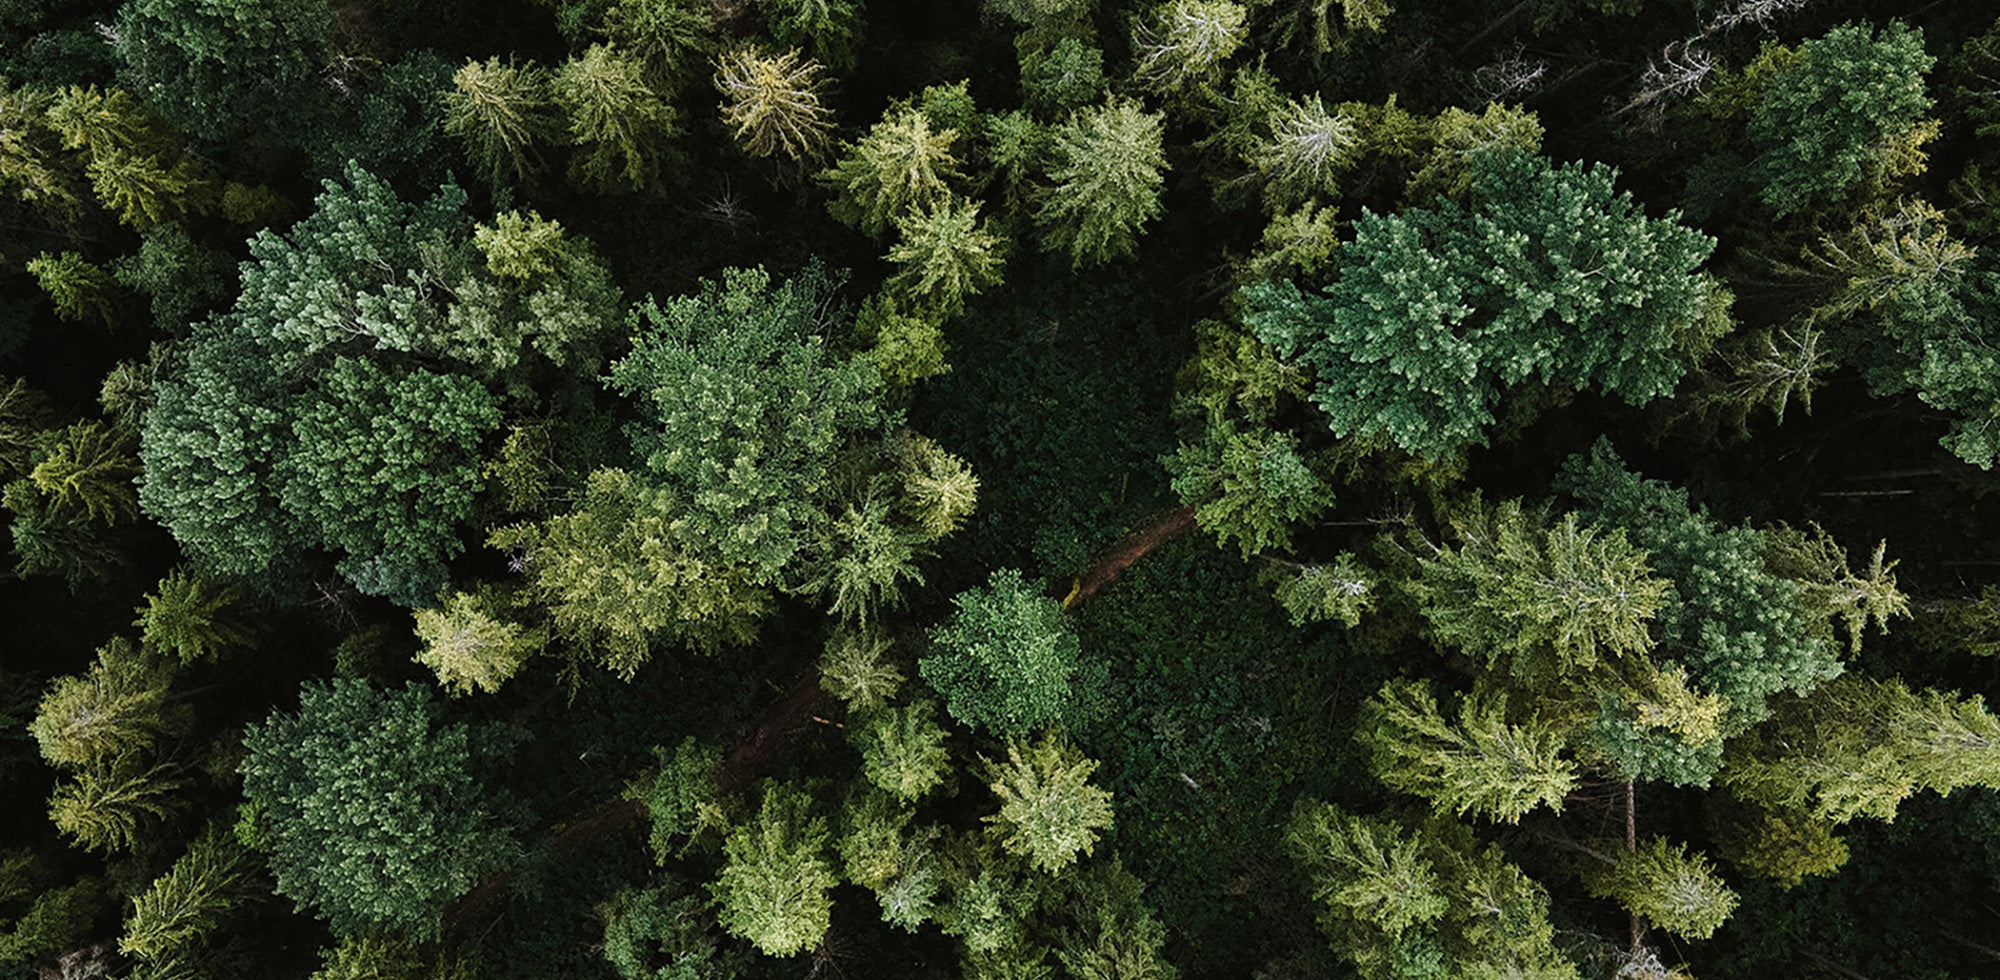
{"x":502,"y":113}
{"x":1482,"y":764}
{"x":617,"y":122}
{"x":775,"y":879}
{"x":1107,"y":167}
{"x":1049,"y":811}
{"x":191,"y":617}
{"x":901,"y":167}
{"x":773,"y":103}
{"x":470,"y":645}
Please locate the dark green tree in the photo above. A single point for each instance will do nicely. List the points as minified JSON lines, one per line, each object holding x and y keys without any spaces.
{"x":216,"y":70}
{"x":1434,"y":313}
{"x":374,"y":819}
{"x":1006,"y":660}
{"x":1817,"y":132}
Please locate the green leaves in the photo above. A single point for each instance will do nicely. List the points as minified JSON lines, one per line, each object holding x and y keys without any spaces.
{"x":1004,"y":660}
{"x":374,"y":818}
{"x":1434,"y":313}
{"x":1674,"y":890}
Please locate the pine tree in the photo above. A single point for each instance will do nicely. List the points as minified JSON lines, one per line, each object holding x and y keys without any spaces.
{"x":900,"y":168}
{"x":1828,"y":588}
{"x":1107,"y":167}
{"x":1818,"y":134}
{"x":113,"y":807}
{"x":773,"y":103}
{"x":117,"y":710}
{"x":1186,"y":43}
{"x":946,"y":254}
{"x":902,"y":749}
{"x":855,"y":669}
{"x":1672,"y":889}
{"x":88,"y":473}
{"x":1049,"y":812}
{"x":1248,"y":486}
{"x":191,"y":617}
{"x":78,"y":289}
{"x":470,"y":646}
{"x":618,"y":123}
{"x":1308,"y":150}
{"x":1482,"y":764}
{"x":187,"y":904}
{"x":773,"y":889}
{"x":24,"y":416}
{"x":501,"y":112}
{"x":373,"y":816}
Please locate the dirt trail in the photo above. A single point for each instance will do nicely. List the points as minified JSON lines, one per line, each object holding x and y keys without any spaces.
{"x":1113,"y":561}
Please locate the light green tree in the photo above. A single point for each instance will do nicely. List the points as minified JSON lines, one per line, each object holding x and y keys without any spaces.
{"x":775,"y":880}
{"x":1049,"y":811}
{"x":115,"y":807}
{"x":945,"y":254}
{"x":502,"y":112}
{"x":118,"y":709}
{"x":1107,"y":167}
{"x":774,"y":103}
{"x":187,"y":904}
{"x":1185,"y":42}
{"x":618,"y":123}
{"x":903,"y":165}
{"x":470,"y":645}
{"x":78,"y":289}
{"x":856,"y":669}
{"x":902,"y":749}
{"x":1248,"y":486}
{"x":88,"y":473}
{"x":1308,"y":150}
{"x":191,"y":617}
{"x":1673,"y":889}
{"x":1481,"y":764}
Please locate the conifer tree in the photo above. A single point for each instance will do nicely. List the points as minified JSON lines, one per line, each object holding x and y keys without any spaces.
{"x":855,"y":668}
{"x":1340,"y":590}
{"x":1308,"y":150}
{"x":217,"y":71}
{"x":1005,"y":660}
{"x":902,"y":749}
{"x":670,"y":38}
{"x":939,"y":491}
{"x":773,"y":889}
{"x":1672,"y":889}
{"x":1107,"y":167}
{"x":373,"y":816}
{"x":24,"y":416}
{"x":663,"y":933}
{"x":902,"y":166}
{"x":773,"y":103}
{"x":470,"y":646}
{"x":78,"y":289}
{"x":946,"y":254}
{"x":187,"y":904}
{"x":501,"y":112}
{"x":117,"y":709}
{"x":1186,"y":41}
{"x":1482,"y":764}
{"x":618,"y":123}
{"x":1049,"y":811}
{"x":88,"y":472}
{"x":1248,"y":486}
{"x":114,"y":807}
{"x":1817,"y":133}
{"x":33,"y":168}
{"x":191,"y":617}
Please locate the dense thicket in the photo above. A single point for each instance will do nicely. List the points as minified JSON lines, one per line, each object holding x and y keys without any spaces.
{"x":1000,"y":489}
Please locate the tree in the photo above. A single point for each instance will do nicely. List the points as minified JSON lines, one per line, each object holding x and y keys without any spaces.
{"x":1186,"y":43}
{"x":1402,"y":901}
{"x":190,"y":617}
{"x":901,"y":167}
{"x":617,"y":574}
{"x":1860,"y":747}
{"x":773,"y":103}
{"x":1817,"y":133}
{"x":1433,"y":313}
{"x":1005,"y":660}
{"x":1672,"y":889}
{"x":618,"y":123}
{"x":1309,"y":148}
{"x":469,"y":646}
{"x":663,"y":933}
{"x":670,"y":38}
{"x":855,"y":670}
{"x":24,"y":416}
{"x":374,"y":817}
{"x":747,"y":414}
{"x":831,"y":28}
{"x":775,"y":877}
{"x":114,"y":807}
{"x":946,"y":254}
{"x":1248,"y":486}
{"x":1107,"y":166}
{"x":79,"y":289}
{"x":87,"y":473}
{"x":1066,"y":77}
{"x":184,"y":906}
{"x":117,"y":710}
{"x":1049,"y":812}
{"x":215,"y":71}
{"x":1542,"y":599}
{"x":1481,"y":765}
{"x":343,"y":401}
{"x":902,"y":749}
{"x":684,"y":799}
{"x":1340,"y":590}
{"x":501,"y":111}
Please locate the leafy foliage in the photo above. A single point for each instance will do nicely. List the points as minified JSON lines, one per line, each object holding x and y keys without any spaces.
{"x":1049,"y":812}
{"x":1005,"y":660}
{"x":775,"y":879}
{"x":1817,"y":132}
